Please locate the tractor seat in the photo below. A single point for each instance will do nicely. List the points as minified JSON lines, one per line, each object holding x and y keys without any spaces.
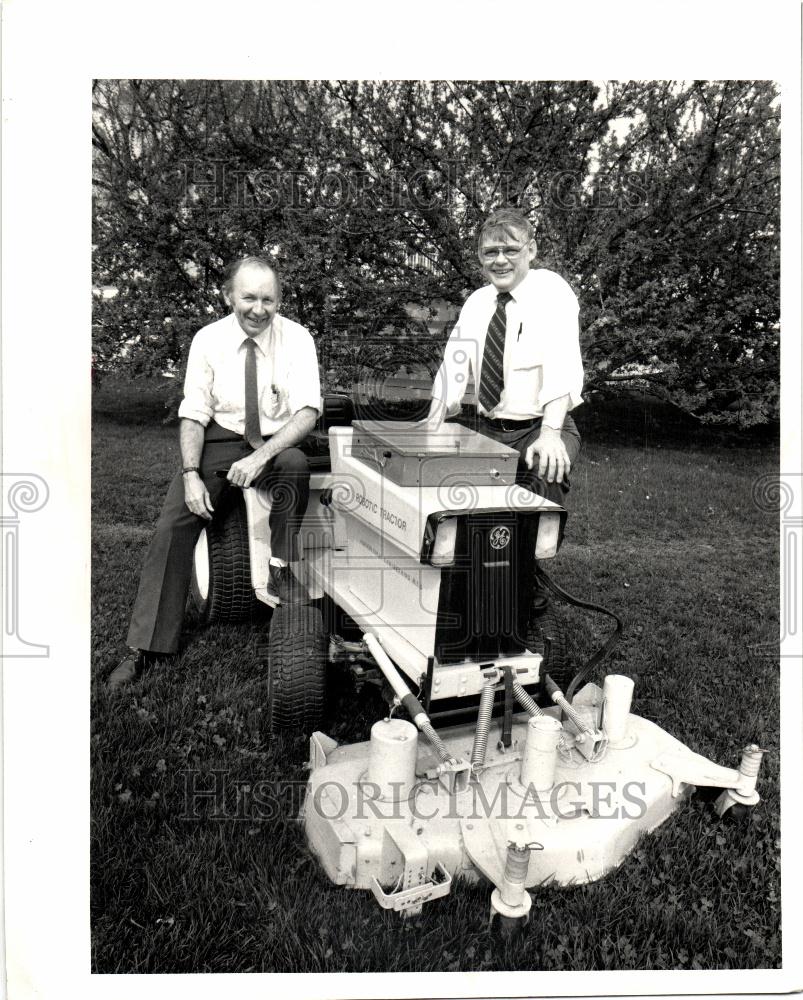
{"x":338,"y":411}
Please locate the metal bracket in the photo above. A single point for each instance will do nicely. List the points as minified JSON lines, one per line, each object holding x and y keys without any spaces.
{"x":408,"y":902}
{"x":413,"y":888}
{"x":589,"y":738}
{"x":694,"y":769}
{"x":448,"y":774}
{"x":320,"y":746}
{"x":592,"y":745}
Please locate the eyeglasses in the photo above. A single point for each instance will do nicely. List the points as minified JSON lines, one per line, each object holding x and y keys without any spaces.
{"x":490,"y":254}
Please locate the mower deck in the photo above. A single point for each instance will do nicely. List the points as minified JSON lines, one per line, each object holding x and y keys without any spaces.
{"x":585,"y":824}
{"x":406,"y":841}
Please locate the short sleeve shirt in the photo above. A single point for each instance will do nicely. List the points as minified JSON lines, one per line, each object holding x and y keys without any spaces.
{"x":542,"y":347}
{"x":287,"y":374}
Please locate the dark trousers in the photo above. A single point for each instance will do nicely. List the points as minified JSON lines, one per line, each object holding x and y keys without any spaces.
{"x":521,"y":438}
{"x":165,"y":580}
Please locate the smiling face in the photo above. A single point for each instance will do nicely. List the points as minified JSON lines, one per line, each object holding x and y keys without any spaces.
{"x":505,"y":255}
{"x":254,"y":297}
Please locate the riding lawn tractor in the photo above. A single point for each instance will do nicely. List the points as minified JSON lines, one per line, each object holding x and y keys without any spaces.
{"x":422,"y":558}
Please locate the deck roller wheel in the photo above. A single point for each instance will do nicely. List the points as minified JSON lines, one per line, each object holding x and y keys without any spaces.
{"x":297,"y":655}
{"x":221,"y":586}
{"x":738,"y":815}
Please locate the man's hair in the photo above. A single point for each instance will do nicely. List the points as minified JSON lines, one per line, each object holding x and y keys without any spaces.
{"x":511,"y":221}
{"x":233,"y":269}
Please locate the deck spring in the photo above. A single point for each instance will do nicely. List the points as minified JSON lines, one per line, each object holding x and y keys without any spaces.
{"x":750,"y":763}
{"x":516,"y":863}
{"x":524,"y":699}
{"x":437,"y":743}
{"x":480,"y":746}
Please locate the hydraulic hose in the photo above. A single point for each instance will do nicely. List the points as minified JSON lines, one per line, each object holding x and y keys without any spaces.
{"x":559,"y":698}
{"x":604,"y":651}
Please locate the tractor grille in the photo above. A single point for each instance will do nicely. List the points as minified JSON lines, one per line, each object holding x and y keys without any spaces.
{"x":485,"y":596}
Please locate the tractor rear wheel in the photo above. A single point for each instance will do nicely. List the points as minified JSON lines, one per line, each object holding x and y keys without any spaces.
{"x":546,"y":622}
{"x":297,"y":654}
{"x":221,"y":586}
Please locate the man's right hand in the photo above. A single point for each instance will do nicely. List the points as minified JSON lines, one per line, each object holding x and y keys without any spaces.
{"x":196,"y":496}
{"x":553,"y":458}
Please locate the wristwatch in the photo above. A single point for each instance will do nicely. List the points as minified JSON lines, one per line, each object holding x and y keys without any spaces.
{"x":552,"y":427}
{"x":189,"y":468}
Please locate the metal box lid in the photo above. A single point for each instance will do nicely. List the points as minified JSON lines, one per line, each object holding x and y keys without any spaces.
{"x":414,"y":440}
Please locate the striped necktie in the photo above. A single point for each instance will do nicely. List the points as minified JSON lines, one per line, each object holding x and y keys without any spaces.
{"x":253,"y":433}
{"x":492,"y":378}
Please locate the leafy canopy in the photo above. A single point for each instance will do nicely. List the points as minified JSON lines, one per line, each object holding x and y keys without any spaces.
{"x":659,"y":202}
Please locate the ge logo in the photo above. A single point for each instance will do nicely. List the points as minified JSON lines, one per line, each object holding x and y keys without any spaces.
{"x":499,"y":538}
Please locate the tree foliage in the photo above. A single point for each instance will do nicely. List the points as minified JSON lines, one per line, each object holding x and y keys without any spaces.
{"x":659,"y":202}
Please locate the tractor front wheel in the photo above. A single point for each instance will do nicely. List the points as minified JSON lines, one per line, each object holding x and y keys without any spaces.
{"x":221,"y":585}
{"x":297,"y":654}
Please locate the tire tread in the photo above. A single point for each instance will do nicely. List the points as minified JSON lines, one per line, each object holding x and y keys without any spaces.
{"x":230,"y":598}
{"x":297,"y":653}
{"x":545,"y":620}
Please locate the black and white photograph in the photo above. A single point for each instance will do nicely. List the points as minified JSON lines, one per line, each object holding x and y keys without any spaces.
{"x":424,"y":526}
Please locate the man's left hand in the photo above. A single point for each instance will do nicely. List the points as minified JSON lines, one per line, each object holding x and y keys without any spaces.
{"x":244,"y":472}
{"x":553,"y":459}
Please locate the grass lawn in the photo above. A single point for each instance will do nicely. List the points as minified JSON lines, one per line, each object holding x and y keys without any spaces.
{"x":666,"y":535}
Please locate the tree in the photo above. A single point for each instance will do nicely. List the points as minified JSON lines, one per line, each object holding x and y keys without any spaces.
{"x":658,"y":202}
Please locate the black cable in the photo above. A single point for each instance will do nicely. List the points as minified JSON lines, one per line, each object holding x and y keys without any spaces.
{"x":604,"y":651}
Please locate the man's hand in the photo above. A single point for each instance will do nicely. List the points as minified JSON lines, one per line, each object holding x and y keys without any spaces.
{"x":196,"y":496}
{"x":553,"y":459}
{"x":244,"y":472}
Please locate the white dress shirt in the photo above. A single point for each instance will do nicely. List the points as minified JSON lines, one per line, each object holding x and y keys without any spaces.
{"x":287,"y":374}
{"x":542,"y":348}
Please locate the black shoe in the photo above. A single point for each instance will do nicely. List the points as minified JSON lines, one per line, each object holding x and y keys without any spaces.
{"x":126,"y":672}
{"x":132,"y":667}
{"x":285,"y":586}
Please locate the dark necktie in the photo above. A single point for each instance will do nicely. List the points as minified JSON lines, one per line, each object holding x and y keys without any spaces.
{"x":253,"y":434}
{"x":492,"y":376}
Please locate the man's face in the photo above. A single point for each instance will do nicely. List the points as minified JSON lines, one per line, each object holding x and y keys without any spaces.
{"x":254,"y":298}
{"x":506,"y":256}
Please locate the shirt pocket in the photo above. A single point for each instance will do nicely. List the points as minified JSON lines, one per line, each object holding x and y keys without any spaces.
{"x":526,"y":353}
{"x":525,"y":377}
{"x":273,"y":400}
{"x":523,"y":388}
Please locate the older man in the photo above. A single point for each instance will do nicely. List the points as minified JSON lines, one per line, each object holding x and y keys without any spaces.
{"x":519,"y":337}
{"x":251,"y":393}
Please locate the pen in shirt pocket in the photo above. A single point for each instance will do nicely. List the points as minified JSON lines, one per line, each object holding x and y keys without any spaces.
{"x":518,"y":335}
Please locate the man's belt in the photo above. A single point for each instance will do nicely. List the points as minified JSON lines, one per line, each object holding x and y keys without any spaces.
{"x":509,"y":425}
{"x":215,"y":433}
